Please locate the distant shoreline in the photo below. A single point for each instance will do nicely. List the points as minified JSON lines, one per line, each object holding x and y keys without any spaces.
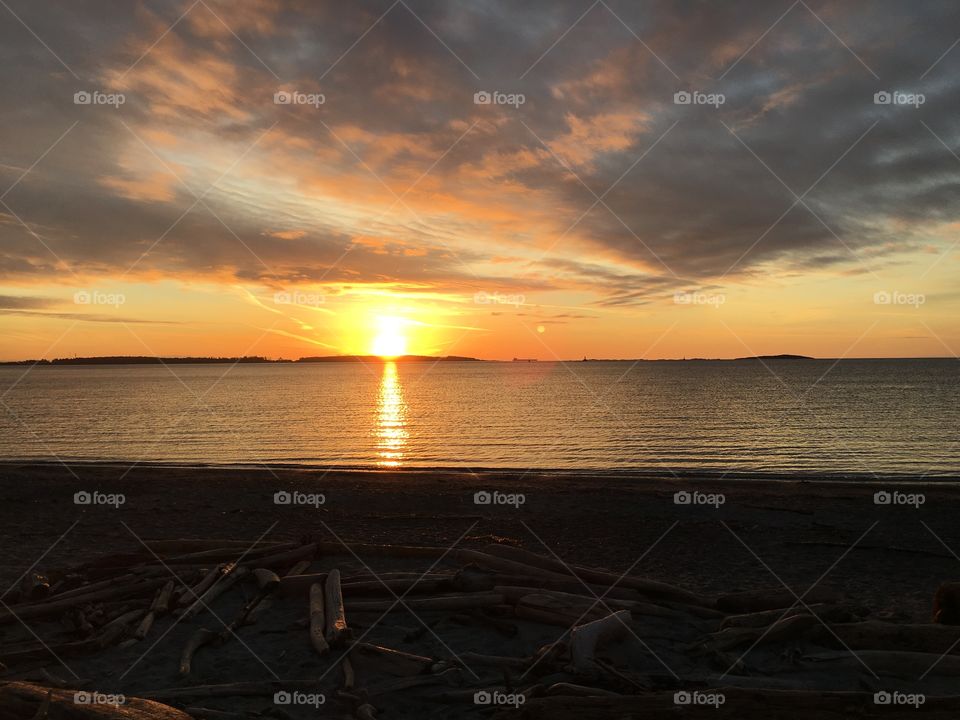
{"x":138,"y":360}
{"x":601,"y":475}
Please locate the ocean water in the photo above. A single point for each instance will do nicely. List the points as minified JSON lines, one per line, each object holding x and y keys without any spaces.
{"x":870,"y":418}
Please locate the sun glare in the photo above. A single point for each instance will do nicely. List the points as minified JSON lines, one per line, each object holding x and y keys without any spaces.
{"x":389,"y":341}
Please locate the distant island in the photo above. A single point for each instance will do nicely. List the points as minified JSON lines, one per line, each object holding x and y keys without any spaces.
{"x":250,"y":359}
{"x":148,"y":360}
{"x":778,"y":357}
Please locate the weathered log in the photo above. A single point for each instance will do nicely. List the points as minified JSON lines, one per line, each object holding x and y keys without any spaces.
{"x":318,"y":621}
{"x":652,"y":588}
{"x":161,"y":605}
{"x":34,"y":586}
{"x":300,"y":568}
{"x":88,"y":588}
{"x":899,"y":664}
{"x":55,"y":606}
{"x":366,"y":712}
{"x":514,"y":594}
{"x":221,"y":586}
{"x":550,"y":610}
{"x":237,"y":689}
{"x":470,"y":659}
{"x":384,"y":659}
{"x":144,"y":628}
{"x":450,"y":676}
{"x":23,"y":698}
{"x":946,"y":604}
{"x":765,"y":617}
{"x":337,"y":631}
{"x":586,"y":639}
{"x":265,"y":604}
{"x":368,"y":549}
{"x":786,"y":629}
{"x":874,"y":635}
{"x":200,"y":637}
{"x":230,"y":554}
{"x":282,"y":559}
{"x":759,"y":600}
{"x":570,"y":689}
{"x":267,"y":582}
{"x":449,"y":602}
{"x":385,"y":583}
{"x":187,"y":595}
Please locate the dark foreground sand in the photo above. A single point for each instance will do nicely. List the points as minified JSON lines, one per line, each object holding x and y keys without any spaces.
{"x":889,"y":559}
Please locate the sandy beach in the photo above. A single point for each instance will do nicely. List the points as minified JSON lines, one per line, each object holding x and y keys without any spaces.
{"x":884,"y":561}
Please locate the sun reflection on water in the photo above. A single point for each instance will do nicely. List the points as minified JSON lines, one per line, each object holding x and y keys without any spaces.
{"x":391,"y":430}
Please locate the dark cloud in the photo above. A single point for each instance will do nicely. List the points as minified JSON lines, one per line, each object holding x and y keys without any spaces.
{"x":711,"y":198}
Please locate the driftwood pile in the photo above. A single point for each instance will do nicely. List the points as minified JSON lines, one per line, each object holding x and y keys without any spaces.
{"x":536,"y":638}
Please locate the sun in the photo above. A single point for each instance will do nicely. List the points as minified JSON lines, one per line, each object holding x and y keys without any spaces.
{"x":389,"y":341}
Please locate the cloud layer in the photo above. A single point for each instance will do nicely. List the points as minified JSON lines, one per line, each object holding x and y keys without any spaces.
{"x":598,"y":183}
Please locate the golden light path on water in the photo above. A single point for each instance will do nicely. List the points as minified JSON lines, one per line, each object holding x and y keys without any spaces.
{"x":391,"y":430}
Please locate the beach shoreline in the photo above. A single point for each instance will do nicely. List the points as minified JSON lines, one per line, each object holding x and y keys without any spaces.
{"x":605,"y":520}
{"x":884,"y":560}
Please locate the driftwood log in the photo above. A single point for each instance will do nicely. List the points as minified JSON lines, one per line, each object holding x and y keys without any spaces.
{"x":318,"y":621}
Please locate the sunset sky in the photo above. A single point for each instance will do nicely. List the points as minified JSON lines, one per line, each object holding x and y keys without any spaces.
{"x":597,"y":217}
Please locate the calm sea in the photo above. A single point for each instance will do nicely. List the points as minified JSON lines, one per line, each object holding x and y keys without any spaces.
{"x":854,"y":417}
